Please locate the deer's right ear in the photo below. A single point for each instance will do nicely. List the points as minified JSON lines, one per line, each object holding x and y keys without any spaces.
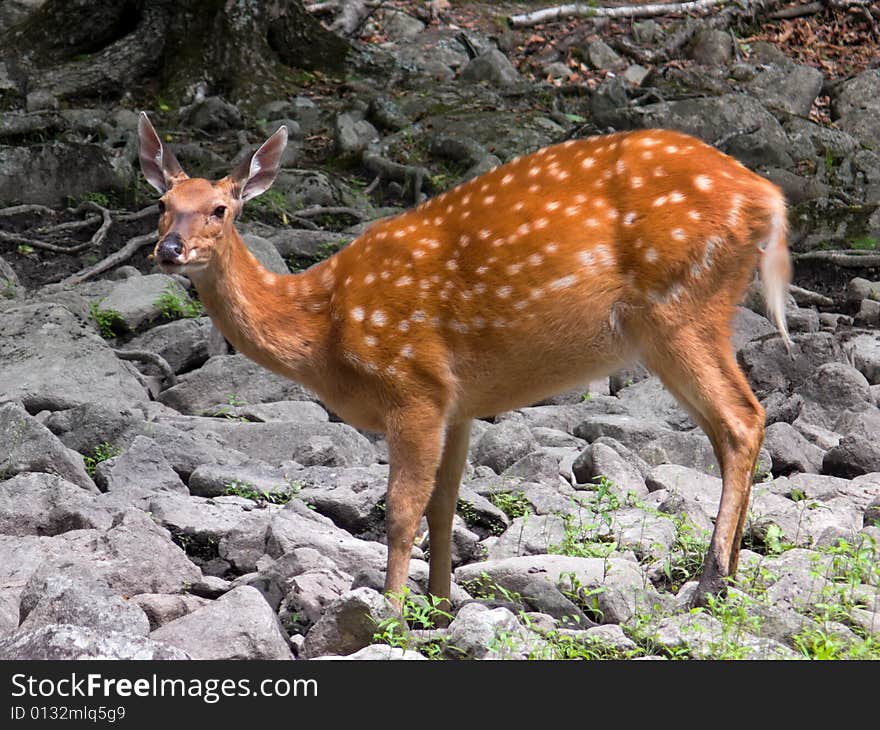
{"x":256,"y":175}
{"x":159,"y":165}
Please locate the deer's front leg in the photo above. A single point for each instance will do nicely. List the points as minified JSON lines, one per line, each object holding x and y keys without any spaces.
{"x":415,"y":444}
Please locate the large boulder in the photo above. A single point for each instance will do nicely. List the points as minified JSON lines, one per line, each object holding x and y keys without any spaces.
{"x":238,"y":625}
{"x":30,"y":447}
{"x":59,"y":170}
{"x":50,"y":360}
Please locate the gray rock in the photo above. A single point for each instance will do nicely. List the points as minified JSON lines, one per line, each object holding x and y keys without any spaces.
{"x":805,"y":522}
{"x":503,"y":444}
{"x":834,"y":388}
{"x":854,"y":455}
{"x":619,"y":583}
{"x":401,"y":26}
{"x":530,"y":535}
{"x":553,"y":437}
{"x":28,"y":446}
{"x":137,"y":300}
{"x":688,"y":483}
{"x":63,"y":642}
{"x":183,"y":343}
{"x":648,"y":399}
{"x":163,"y":608}
{"x":478,"y":632}
{"x":238,"y":625}
{"x":872,"y":513}
{"x":542,"y":465}
{"x":864,"y":349}
{"x":290,"y":410}
{"x":349,"y":497}
{"x":214,"y":480}
{"x":34,"y":503}
{"x":139,"y":472}
{"x":310,"y":444}
{"x":59,"y":170}
{"x":822,"y":437}
{"x":855,"y":106}
{"x":492,"y":67}
{"x":557,"y":70}
{"x":701,"y":636}
{"x":297,"y":526}
{"x":635,"y":74}
{"x":213,"y":114}
{"x":266,"y":253}
{"x":49,"y":360}
{"x":602,"y":57}
{"x":601,"y":460}
{"x":630,"y":431}
{"x":379,"y":652}
{"x":868,"y":314}
{"x":306,"y":189}
{"x":308,"y":595}
{"x":200,"y":524}
{"x":352,"y":135}
{"x":858,"y":289}
{"x":709,"y":118}
{"x":790,"y":451}
{"x":788,"y":88}
{"x":348,"y":624}
{"x":226,"y":378}
{"x":56,"y":597}
{"x":769,"y":367}
{"x":712,"y":48}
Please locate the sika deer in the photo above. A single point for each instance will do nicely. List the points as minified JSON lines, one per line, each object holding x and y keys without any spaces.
{"x":542,"y":274}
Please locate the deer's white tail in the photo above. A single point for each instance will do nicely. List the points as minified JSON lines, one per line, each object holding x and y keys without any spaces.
{"x":776,"y":267}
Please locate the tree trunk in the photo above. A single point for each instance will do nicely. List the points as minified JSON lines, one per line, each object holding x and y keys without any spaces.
{"x":243,"y":49}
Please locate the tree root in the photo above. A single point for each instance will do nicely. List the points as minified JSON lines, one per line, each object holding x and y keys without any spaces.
{"x":807,"y":297}
{"x":331,"y":210}
{"x":407,"y":175}
{"x":845,"y":258}
{"x":721,"y":141}
{"x":117,"y":257}
{"x":746,"y":7}
{"x":152,"y":358}
{"x":95,"y":241}
{"x":585,"y":10}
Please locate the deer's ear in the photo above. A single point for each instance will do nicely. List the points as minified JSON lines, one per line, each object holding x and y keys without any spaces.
{"x":159,"y":165}
{"x":255,"y":176}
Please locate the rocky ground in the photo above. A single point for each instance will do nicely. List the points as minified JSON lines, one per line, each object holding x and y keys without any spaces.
{"x":214,"y":510}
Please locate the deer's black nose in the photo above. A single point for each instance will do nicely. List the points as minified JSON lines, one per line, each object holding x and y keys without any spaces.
{"x":170,"y":248}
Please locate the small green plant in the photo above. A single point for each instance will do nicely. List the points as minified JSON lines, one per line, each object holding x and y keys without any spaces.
{"x":865,"y":243}
{"x":411,"y":629}
{"x":270,"y":207}
{"x":102,"y":452}
{"x":172,"y":306}
{"x":109,"y":321}
{"x":247,"y":490}
{"x":513,"y":504}
{"x":685,"y":560}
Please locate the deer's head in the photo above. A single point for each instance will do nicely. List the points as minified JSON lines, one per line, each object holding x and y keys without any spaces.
{"x":195,"y":214}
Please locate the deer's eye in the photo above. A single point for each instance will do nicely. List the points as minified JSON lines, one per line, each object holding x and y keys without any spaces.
{"x":161,"y":205}
{"x":219,"y":211}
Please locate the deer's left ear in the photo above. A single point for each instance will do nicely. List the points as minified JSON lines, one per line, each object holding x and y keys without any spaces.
{"x":158,"y":163}
{"x":255,"y":176}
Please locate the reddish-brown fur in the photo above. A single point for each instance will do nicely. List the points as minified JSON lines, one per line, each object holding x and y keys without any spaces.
{"x":542,"y":274}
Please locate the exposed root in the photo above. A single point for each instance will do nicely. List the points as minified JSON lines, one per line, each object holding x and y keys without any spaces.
{"x":114,"y":259}
{"x":152,"y":358}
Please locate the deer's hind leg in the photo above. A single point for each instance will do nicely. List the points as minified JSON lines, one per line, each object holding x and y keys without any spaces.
{"x":696,"y":364}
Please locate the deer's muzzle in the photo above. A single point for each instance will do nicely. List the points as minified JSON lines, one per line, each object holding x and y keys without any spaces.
{"x":169,"y":249}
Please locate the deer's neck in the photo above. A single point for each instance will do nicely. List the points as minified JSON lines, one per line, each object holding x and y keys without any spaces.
{"x":280,"y":321}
